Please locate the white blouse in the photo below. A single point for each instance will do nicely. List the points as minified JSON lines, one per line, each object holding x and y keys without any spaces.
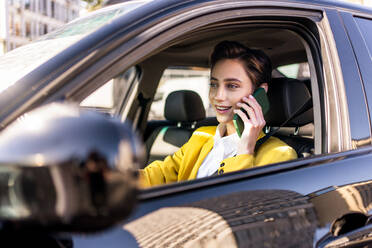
{"x":224,"y":147}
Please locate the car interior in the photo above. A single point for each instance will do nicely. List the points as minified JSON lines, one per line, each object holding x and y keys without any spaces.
{"x":291,"y":113}
{"x":184,"y":111}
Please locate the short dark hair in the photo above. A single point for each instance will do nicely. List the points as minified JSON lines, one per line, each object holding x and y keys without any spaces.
{"x":256,"y":63}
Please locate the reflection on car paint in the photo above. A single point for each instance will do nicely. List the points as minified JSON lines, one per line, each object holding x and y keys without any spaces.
{"x":342,"y":200}
{"x":244,"y":219}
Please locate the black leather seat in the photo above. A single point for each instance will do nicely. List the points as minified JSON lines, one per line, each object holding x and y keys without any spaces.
{"x":286,"y":97}
{"x":184,"y":111}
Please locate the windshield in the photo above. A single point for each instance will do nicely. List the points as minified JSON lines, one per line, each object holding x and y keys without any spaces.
{"x":17,"y":63}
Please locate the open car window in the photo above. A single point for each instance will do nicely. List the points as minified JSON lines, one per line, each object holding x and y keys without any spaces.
{"x":160,"y":135}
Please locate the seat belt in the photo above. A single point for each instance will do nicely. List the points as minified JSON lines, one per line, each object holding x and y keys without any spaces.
{"x":306,"y":106}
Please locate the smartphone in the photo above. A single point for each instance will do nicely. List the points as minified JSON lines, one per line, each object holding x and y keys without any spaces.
{"x":262,"y":99}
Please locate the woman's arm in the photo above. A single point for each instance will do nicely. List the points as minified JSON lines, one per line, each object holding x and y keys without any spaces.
{"x":173,"y":167}
{"x":162,"y":172}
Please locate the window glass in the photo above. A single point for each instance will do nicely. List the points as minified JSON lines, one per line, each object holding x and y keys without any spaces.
{"x":185,"y":78}
{"x":102,"y":97}
{"x":298,"y":70}
{"x":110,"y":95}
{"x":365,"y":27}
{"x":17,"y":63}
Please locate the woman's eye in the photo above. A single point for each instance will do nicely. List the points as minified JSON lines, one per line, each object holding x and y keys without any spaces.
{"x":233,"y":86}
{"x":213,"y":85}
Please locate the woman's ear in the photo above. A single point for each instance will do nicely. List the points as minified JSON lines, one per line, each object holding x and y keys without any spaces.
{"x":265,"y":86}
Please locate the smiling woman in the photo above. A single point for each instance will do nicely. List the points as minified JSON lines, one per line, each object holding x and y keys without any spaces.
{"x":236,"y":72}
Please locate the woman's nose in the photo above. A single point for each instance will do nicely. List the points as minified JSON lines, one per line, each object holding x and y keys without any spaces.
{"x":220,"y":94}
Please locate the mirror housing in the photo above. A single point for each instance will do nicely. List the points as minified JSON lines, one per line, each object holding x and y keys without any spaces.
{"x":67,"y":169}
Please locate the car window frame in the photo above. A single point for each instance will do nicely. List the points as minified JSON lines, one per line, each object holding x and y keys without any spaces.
{"x":179,"y":187}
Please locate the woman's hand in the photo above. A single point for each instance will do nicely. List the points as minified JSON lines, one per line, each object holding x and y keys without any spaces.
{"x":252,"y":126}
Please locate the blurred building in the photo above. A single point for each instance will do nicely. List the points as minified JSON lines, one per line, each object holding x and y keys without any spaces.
{"x":24,"y":20}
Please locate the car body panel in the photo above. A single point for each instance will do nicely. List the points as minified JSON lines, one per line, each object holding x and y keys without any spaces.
{"x":359,"y":122}
{"x":364,"y":57}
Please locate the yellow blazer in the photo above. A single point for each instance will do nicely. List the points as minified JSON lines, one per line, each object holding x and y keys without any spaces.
{"x":184,"y":164}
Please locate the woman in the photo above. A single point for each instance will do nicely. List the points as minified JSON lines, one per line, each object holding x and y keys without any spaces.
{"x":236,"y":72}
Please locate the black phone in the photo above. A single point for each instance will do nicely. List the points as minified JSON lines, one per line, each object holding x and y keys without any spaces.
{"x":262,"y":99}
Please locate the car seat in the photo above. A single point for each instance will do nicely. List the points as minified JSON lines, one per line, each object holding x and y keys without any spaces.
{"x":286,"y":97}
{"x":184,"y":108}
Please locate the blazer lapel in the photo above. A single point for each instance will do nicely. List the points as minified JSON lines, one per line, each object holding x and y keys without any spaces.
{"x":207,"y":147}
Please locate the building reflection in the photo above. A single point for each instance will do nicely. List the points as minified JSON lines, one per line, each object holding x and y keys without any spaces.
{"x":342,"y":200}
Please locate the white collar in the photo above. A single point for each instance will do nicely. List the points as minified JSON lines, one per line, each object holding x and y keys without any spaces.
{"x":233,"y":139}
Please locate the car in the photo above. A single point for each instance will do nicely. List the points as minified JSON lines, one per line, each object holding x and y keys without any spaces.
{"x":74,"y":110}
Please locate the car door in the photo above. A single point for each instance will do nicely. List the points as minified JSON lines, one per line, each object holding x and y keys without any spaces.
{"x":357,"y":27}
{"x":278,"y":205}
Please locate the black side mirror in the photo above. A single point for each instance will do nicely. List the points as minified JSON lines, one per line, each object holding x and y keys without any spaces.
{"x":66,"y":169}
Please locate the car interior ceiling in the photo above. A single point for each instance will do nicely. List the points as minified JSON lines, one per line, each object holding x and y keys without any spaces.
{"x":282,"y":46}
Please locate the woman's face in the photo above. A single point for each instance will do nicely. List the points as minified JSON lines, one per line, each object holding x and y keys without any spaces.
{"x":228,"y":85}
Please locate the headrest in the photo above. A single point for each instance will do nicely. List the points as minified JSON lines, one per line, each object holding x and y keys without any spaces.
{"x":286,"y":97}
{"x":184,"y":106}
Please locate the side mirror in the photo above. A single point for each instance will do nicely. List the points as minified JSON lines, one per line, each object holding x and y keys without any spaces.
{"x":66,"y":169}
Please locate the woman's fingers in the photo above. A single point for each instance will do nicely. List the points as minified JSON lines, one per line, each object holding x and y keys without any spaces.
{"x":251,"y":100}
{"x":250,"y":112}
{"x":253,"y":125}
{"x":242,"y":115}
{"x":260,"y":121}
{"x":253,"y":109}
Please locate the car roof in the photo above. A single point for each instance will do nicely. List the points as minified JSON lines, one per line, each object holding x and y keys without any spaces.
{"x":158,"y":4}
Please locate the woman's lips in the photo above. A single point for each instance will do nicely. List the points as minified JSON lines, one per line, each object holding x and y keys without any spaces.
{"x":222,"y":109}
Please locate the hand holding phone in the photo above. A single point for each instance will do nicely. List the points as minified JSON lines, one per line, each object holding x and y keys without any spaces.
{"x":262,"y":99}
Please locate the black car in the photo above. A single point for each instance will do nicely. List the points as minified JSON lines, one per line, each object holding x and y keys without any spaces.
{"x":68,"y":163}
